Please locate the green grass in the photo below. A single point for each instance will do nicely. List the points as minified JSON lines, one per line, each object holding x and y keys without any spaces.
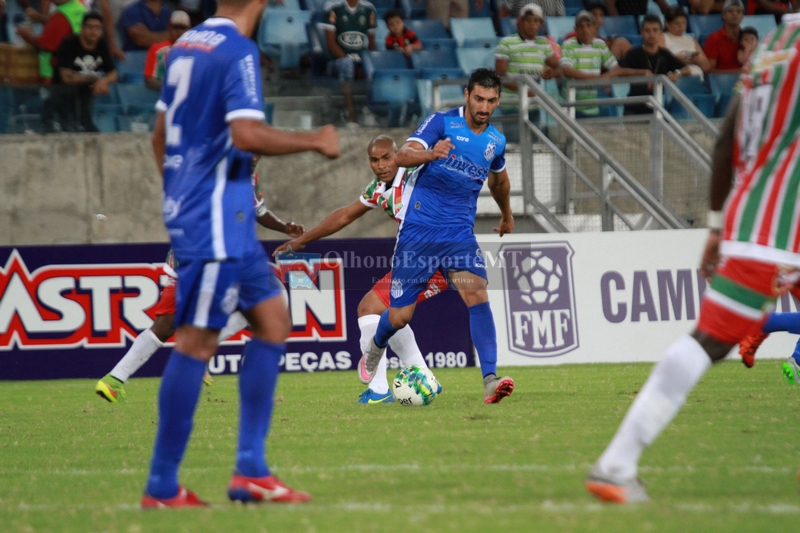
{"x":71,"y":462}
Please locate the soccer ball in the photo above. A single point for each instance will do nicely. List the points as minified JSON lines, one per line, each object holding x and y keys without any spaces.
{"x":539,"y":278}
{"x":415,"y":386}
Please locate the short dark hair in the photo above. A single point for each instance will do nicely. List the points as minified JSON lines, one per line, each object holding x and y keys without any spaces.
{"x":392,"y":13}
{"x":486,"y":78}
{"x":674,"y":12}
{"x":651,"y":18}
{"x":749,"y":29}
{"x":596,"y":4}
{"x":92,"y":15}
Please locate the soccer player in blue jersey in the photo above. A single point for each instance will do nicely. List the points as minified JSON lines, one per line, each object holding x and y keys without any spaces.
{"x":209,"y":124}
{"x":454,"y":153}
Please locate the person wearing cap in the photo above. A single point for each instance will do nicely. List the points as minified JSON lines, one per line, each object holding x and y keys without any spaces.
{"x":651,"y":59}
{"x":144,"y":23}
{"x":619,"y":46}
{"x":586,"y":57}
{"x":550,"y":8}
{"x":684,"y":46}
{"x":722,"y":46}
{"x":155,"y":63}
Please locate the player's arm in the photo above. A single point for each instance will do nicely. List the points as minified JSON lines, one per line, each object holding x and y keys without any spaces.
{"x":500,"y":187}
{"x":721,"y":181}
{"x":413,"y":154}
{"x":330,"y":225}
{"x":271,"y":221}
{"x":159,"y":142}
{"x":257,"y":137}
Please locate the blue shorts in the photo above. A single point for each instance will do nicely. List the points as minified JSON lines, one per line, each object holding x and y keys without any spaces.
{"x":208,"y":292}
{"x":422,"y":250}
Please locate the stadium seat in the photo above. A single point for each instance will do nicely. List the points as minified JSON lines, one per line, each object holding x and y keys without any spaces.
{"x":508,"y":26}
{"x":436,"y":73}
{"x":703,"y":102}
{"x":691,"y":85}
{"x":380,"y":35}
{"x":446,"y":45}
{"x":414,"y":9}
{"x":136,"y":98}
{"x":291,"y":5}
{"x":382,"y":59}
{"x":105,"y":116}
{"x":485,"y":11}
{"x":470,"y":59}
{"x":434,"y":59}
{"x":316,"y":6}
{"x":704,"y":25}
{"x":6,"y":107}
{"x":428,"y":29}
{"x":393,"y":86}
{"x":282,"y":36}
{"x":269,"y":112}
{"x":474,"y":33}
{"x":132,"y":69}
{"x":447,"y":93}
{"x":652,"y":7}
{"x":635,"y":40}
{"x":558,"y":27}
{"x":108,"y":99}
{"x":622,"y":25}
{"x":762,"y":23}
{"x":722,"y":87}
{"x":136,"y":123}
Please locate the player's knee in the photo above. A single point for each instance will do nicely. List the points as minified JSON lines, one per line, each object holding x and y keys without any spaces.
{"x":474,"y":297}
{"x":399,"y":318}
{"x":370,"y":304}
{"x":716,"y":349}
{"x":163,"y":327}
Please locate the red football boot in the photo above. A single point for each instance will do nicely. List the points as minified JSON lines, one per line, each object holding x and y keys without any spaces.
{"x":185,"y":498}
{"x":749,"y":346}
{"x":263,"y":489}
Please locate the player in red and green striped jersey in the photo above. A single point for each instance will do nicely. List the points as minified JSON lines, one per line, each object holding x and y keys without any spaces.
{"x":752,"y":255}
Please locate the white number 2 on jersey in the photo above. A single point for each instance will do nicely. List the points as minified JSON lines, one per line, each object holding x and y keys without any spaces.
{"x":179,"y":75}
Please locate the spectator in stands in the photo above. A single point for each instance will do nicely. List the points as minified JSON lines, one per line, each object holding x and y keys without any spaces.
{"x":155,"y":64}
{"x":619,"y":46}
{"x":349,"y":28}
{"x":85,"y":69}
{"x":768,"y":7}
{"x":144,"y":23}
{"x":447,"y":9}
{"x":400,"y":37}
{"x":683,"y":46}
{"x":748,"y":40}
{"x":632,"y":7}
{"x":550,"y":8}
{"x":585,"y":57}
{"x":651,"y":58}
{"x":64,"y":22}
{"x":722,"y":46}
{"x":705,"y":7}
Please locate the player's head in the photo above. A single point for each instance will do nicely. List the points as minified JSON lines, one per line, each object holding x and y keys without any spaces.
{"x":92,"y":28}
{"x":382,"y":151}
{"x":179,"y":24}
{"x":482,"y":95}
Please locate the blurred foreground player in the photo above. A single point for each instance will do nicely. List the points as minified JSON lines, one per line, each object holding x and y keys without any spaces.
{"x":775,"y":322}
{"x":209,"y":123}
{"x":752,"y":255}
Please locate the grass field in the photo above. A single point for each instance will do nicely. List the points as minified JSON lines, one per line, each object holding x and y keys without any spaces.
{"x":70,"y":462}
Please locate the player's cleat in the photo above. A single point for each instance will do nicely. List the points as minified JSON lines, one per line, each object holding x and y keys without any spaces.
{"x":369,"y":397}
{"x":749,"y":346}
{"x":368,"y":363}
{"x":791,"y":370}
{"x":263,"y":489}
{"x":495,"y":389}
{"x":185,"y":498}
{"x":613,"y":490}
{"x":110,"y":389}
{"x":207,"y":379}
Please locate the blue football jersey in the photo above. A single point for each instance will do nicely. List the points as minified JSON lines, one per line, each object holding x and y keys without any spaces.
{"x":212,"y":77}
{"x":445,"y":192}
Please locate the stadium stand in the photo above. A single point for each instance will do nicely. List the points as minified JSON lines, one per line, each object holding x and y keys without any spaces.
{"x":722,"y":88}
{"x":704,"y":25}
{"x":105,"y":117}
{"x":428,"y":29}
{"x":474,"y":33}
{"x":434,"y":59}
{"x":283,"y":37}
{"x":132,"y":69}
{"x":446,"y":45}
{"x":382,"y":60}
{"x":558,"y":27}
{"x":762,"y":23}
{"x":470,"y":59}
{"x":623,"y":25}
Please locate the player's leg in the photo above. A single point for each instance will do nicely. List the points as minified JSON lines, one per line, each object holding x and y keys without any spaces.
{"x":791,"y":367}
{"x":202,"y":301}
{"x":775,"y":322}
{"x":732,"y":307}
{"x":263,"y":302}
{"x":369,"y":314}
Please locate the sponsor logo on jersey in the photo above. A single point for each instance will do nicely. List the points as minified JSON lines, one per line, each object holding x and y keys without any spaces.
{"x":203,"y":39}
{"x":462,"y":139}
{"x":424,"y":124}
{"x":466,"y":167}
{"x":173,"y":162}
{"x":540,"y":298}
{"x":352,"y":39}
{"x":171,"y":208}
{"x":248,"y":69}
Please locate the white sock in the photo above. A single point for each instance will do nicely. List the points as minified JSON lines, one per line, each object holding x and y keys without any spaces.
{"x":657,"y":403}
{"x":405,"y":346}
{"x":369,"y":325}
{"x":141,"y":350}
{"x":236,"y":323}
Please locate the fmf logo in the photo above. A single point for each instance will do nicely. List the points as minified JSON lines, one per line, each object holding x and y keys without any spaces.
{"x":104,"y":306}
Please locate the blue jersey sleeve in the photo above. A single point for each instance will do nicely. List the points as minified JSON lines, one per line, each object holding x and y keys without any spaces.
{"x":430,"y":131}
{"x":242,"y":88}
{"x":499,"y":161}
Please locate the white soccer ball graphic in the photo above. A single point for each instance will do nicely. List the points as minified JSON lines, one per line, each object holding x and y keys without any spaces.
{"x":415,"y":386}
{"x":538,"y":278}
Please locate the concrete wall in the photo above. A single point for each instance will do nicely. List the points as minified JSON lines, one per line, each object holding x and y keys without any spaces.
{"x":53,"y":187}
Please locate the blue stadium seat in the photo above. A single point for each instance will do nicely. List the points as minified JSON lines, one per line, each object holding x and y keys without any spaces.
{"x":691,"y":85}
{"x":486,"y":9}
{"x":316,"y":5}
{"x":132,"y":69}
{"x":558,"y":27}
{"x":434,"y":59}
{"x":105,"y":116}
{"x":470,"y":59}
{"x":382,"y":59}
{"x":762,"y":23}
{"x":446,"y":93}
{"x":282,"y":36}
{"x":635,"y":40}
{"x":393,"y":86}
{"x":436,"y":73}
{"x":292,"y":5}
{"x":108,"y":99}
{"x":474,"y":33}
{"x":136,"y":123}
{"x":704,"y":102}
{"x":722,"y":87}
{"x":446,"y":45}
{"x":6,"y":107}
{"x":622,"y":25}
{"x":428,"y":29}
{"x":414,"y":9}
{"x":652,"y":7}
{"x":704,"y":25}
{"x":269,"y":111}
{"x":508,"y":26}
{"x":136,"y":98}
{"x":574,"y":3}
{"x":380,"y":35}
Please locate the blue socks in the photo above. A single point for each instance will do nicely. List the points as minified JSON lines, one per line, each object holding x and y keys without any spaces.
{"x":484,"y":336}
{"x":385,"y":330}
{"x":782,"y":322}
{"x":177,"y":400}
{"x":258,"y":377}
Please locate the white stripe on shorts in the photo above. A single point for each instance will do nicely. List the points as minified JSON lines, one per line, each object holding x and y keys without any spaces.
{"x":208,"y":286}
{"x":732,"y":305}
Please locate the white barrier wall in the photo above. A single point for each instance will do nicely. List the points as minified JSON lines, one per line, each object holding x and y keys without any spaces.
{"x":599,"y":297}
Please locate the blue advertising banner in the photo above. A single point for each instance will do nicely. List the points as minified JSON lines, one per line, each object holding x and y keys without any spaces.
{"x":73,"y":311}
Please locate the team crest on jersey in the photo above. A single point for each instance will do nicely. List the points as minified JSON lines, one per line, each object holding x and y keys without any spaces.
{"x":230,"y":300}
{"x":397,"y":288}
{"x":489,"y":152}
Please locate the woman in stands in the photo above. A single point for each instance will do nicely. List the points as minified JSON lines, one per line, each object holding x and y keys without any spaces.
{"x":683,"y":46}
